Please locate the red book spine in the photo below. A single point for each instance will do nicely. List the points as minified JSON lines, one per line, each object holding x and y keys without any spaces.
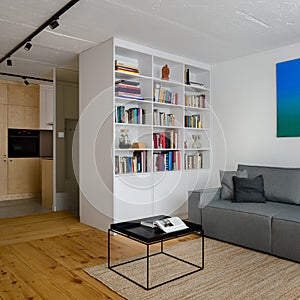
{"x":178,"y":160}
{"x":163,"y":140}
{"x":155,"y":141}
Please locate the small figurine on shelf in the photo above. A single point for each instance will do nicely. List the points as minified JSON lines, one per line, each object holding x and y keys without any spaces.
{"x":196,"y":141}
{"x":124,"y":140}
{"x":165,"y":72}
{"x":185,"y":145}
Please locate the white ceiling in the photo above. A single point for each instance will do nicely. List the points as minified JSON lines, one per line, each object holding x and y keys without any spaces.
{"x":210,"y":31}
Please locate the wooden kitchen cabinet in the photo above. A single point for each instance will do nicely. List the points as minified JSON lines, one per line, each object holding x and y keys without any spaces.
{"x":3,"y":93}
{"x":24,"y":175}
{"x":24,"y":117}
{"x":22,"y":95}
{"x":47,"y":183}
{"x":23,"y":106}
{"x":3,"y":177}
{"x":3,"y":130}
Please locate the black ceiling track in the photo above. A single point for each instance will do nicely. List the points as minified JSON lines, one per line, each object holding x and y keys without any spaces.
{"x":38,"y":30}
{"x":26,"y":77}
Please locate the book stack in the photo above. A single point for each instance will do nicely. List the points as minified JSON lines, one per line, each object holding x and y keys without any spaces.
{"x":193,"y":121}
{"x":163,"y":119}
{"x":128,"y":89}
{"x":137,"y":163}
{"x":127,"y":65}
{"x":193,"y":161}
{"x":195,"y":101}
{"x":134,"y":115}
{"x":166,"y":140}
{"x":164,"y":95}
{"x":166,"y":161}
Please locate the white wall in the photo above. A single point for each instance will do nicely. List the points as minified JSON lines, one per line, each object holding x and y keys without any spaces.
{"x":244,"y":102}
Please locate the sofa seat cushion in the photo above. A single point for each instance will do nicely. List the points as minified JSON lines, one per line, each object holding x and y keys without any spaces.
{"x":245,"y":224}
{"x":280,"y":184}
{"x":289,"y":213}
{"x":286,"y":233}
{"x":268,"y":209}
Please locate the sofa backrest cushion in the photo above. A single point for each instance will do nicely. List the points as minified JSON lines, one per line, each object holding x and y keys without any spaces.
{"x":227,"y":188}
{"x":281,"y":184}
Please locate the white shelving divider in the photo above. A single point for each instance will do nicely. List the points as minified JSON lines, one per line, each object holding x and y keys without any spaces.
{"x":158,"y":120}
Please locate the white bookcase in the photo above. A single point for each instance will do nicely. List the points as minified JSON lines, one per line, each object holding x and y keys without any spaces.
{"x":119,"y":183}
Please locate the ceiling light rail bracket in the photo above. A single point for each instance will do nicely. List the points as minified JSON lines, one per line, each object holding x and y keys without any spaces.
{"x":52,"y":22}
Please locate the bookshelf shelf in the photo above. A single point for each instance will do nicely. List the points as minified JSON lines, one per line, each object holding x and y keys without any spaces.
{"x":132,"y":100}
{"x":132,"y":149}
{"x":155,"y":179}
{"x":192,"y":88}
{"x":190,"y":108}
{"x":133,"y":125}
{"x":169,"y":83}
{"x":119,"y":74}
{"x":196,"y":129}
{"x":167,"y":127}
{"x":166,"y":149}
{"x":196,"y":149}
{"x":162,"y":104}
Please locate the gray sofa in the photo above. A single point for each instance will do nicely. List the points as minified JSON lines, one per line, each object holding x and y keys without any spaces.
{"x":272,"y":227}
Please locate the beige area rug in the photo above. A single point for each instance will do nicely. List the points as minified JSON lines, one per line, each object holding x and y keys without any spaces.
{"x":230,"y":272}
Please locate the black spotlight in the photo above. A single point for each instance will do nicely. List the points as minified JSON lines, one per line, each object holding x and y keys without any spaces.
{"x":9,"y":62}
{"x":26,"y":82}
{"x":27,"y":46}
{"x":54,"y":23}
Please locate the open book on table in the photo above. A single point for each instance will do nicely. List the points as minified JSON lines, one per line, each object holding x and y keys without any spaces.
{"x":167,"y":224}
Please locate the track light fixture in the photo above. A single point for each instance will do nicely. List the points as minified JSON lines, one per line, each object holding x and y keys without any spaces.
{"x":54,"y":24}
{"x":26,"y":82}
{"x":9,"y":62}
{"x":28,"y":46}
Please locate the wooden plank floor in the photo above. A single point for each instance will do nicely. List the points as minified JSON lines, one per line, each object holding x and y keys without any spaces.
{"x":43,"y":257}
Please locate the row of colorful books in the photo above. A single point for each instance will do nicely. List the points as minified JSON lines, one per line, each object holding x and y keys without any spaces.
{"x":128,"y":89}
{"x":197,"y":101}
{"x":127,"y":65}
{"x":165,"y":140}
{"x":134,"y":115}
{"x":163,"y":119}
{"x":137,"y":163}
{"x":166,"y":161}
{"x":163,"y":95}
{"x":193,"y":121}
{"x":193,"y":161}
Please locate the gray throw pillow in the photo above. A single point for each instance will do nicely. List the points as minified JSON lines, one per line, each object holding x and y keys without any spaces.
{"x":227,"y":188}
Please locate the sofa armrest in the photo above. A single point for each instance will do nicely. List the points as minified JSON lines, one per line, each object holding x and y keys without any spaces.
{"x":198,"y":199}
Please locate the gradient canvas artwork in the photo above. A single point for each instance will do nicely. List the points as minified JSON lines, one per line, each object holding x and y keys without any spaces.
{"x":288,"y":98}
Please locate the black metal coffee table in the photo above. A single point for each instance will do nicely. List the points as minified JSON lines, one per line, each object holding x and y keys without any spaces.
{"x":149,"y":236}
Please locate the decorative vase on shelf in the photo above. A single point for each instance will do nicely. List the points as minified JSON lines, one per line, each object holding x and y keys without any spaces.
{"x":196,"y":141}
{"x":165,"y":72}
{"x":124,"y":140}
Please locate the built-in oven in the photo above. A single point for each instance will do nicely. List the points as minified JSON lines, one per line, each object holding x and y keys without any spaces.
{"x":23,"y":143}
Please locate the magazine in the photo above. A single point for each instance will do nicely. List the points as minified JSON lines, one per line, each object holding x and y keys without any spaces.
{"x":167,"y":224}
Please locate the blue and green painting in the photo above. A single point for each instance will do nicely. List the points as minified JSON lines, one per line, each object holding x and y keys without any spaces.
{"x":288,"y":98}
